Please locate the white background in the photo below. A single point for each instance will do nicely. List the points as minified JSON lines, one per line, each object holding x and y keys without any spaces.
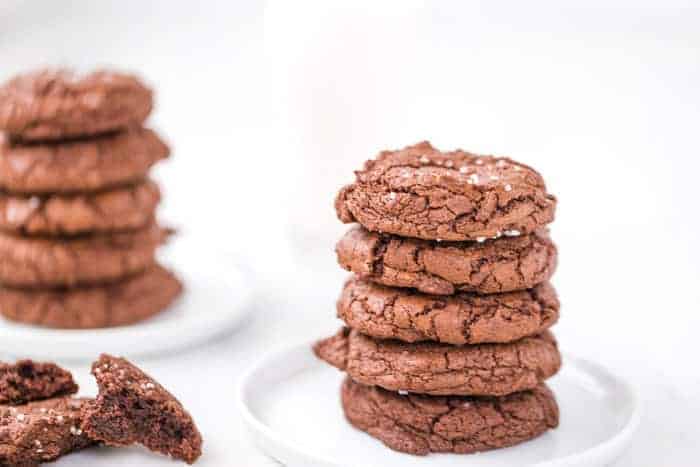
{"x":269,"y":108}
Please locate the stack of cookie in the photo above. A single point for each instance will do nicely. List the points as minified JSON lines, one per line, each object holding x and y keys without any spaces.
{"x":447,"y":344}
{"x":77,"y":211}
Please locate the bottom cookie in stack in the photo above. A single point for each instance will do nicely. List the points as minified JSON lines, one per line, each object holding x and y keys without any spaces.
{"x":433,"y":397}
{"x":419,"y":424}
{"x":117,"y":304}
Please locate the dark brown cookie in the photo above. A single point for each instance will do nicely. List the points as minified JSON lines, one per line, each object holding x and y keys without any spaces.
{"x":390,"y":313}
{"x":132,"y":407}
{"x":40,"y":432}
{"x":95,"y":164}
{"x":443,"y":268}
{"x":418,"y":424}
{"x":26,"y":381}
{"x":92,"y":259}
{"x":442,"y":369}
{"x":126,"y":302}
{"x":59,"y":104}
{"x":421,"y":192}
{"x":119,"y":209}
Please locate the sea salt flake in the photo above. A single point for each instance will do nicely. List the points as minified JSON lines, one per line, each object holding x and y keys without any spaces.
{"x":464,"y":169}
{"x":511,"y":233}
{"x":424,"y":159}
{"x":402,"y":392}
{"x":508,"y":187}
{"x":481,"y":239}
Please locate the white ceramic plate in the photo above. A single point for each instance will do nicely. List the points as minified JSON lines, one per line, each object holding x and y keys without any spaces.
{"x":217,"y":297}
{"x":290,"y":403}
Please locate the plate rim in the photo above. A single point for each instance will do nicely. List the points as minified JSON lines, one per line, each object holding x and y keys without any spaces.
{"x":614,"y":445}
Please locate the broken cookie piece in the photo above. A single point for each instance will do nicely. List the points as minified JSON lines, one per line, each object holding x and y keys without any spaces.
{"x":41,"y":431}
{"x":133,"y":408}
{"x":26,"y":381}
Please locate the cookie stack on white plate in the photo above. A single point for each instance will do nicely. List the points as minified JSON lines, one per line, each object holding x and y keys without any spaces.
{"x":78,"y":233}
{"x":446,"y":343}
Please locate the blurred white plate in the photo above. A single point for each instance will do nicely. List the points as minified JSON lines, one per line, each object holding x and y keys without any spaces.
{"x":290,"y":403}
{"x":216,"y":298}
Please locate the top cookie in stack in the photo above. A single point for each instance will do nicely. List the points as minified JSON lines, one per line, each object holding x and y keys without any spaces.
{"x":77,"y":211}
{"x":447,"y":344}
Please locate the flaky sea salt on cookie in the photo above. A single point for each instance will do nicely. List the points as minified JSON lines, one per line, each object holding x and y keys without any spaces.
{"x":422,"y":192}
{"x":131,"y":407}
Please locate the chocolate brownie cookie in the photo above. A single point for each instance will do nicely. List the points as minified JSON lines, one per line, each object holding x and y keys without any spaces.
{"x":443,"y":268}
{"x":441,"y":369}
{"x":131,"y":408}
{"x":421,"y":192}
{"x":26,"y":381}
{"x":125,"y":302}
{"x":418,"y":424}
{"x":41,"y":431}
{"x":92,"y":259}
{"x":95,"y":164}
{"x":390,"y":313}
{"x":59,"y":104}
{"x":125,"y":208}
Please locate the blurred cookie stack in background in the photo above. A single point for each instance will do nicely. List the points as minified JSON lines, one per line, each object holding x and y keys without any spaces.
{"x":78,"y":233}
{"x":446,"y":343}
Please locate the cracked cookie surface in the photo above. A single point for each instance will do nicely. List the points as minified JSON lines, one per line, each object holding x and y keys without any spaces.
{"x":131,"y":407}
{"x":41,"y":431}
{"x":418,"y":424}
{"x":125,"y":302}
{"x":443,"y":268}
{"x":26,"y":380}
{"x":442,"y":369}
{"x":406,"y":315}
{"x":56,"y":104}
{"x":92,"y":259}
{"x":421,"y":192}
{"x":119,"y":209}
{"x":87,"y":165}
